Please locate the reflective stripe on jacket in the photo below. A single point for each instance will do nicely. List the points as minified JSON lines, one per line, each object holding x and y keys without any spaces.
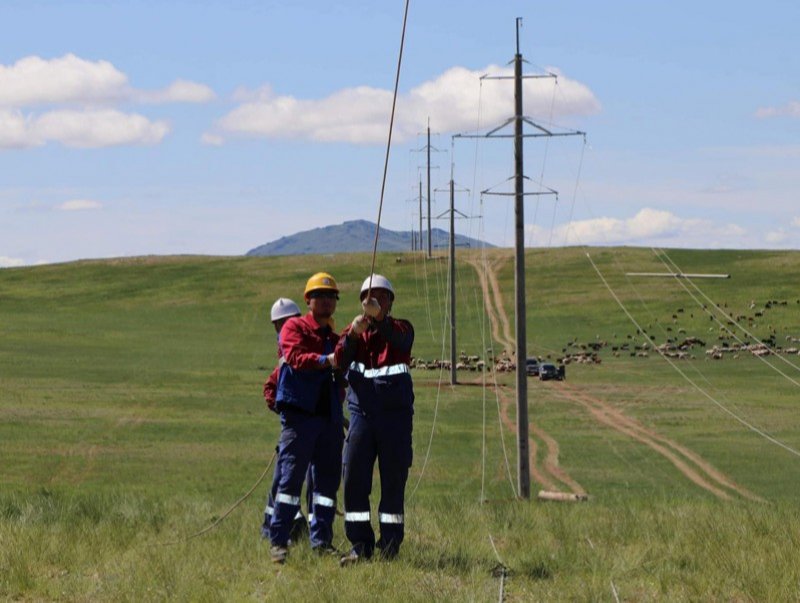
{"x":378,"y":372}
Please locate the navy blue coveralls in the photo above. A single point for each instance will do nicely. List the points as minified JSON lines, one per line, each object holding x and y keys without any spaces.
{"x":270,"y":390}
{"x":309,"y":403}
{"x":381,"y":405}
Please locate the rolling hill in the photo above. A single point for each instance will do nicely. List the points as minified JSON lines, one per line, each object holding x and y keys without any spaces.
{"x":354,"y":236}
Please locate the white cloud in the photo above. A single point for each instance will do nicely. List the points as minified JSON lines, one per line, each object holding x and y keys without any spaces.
{"x":82,"y":94}
{"x":796,"y":221}
{"x":73,"y":80}
{"x":7,"y":262}
{"x":89,"y":129}
{"x":646,"y":227}
{"x":360,"y":115}
{"x":179,"y":91}
{"x":80,"y":129}
{"x":79,"y":204}
{"x":790,"y":109}
{"x":68,"y":79}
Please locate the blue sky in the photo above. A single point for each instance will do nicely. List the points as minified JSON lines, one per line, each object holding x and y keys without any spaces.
{"x":209,"y":127}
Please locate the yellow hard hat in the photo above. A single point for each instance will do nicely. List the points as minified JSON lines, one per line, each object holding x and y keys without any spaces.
{"x":320,"y":281}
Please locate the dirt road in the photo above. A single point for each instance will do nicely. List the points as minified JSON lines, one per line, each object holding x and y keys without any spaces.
{"x":547,"y":470}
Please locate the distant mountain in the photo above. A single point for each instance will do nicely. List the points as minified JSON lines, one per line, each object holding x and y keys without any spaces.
{"x":356,"y":235}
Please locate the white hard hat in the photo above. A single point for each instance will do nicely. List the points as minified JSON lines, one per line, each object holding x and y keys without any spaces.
{"x":378,"y":282}
{"x":283,"y":308}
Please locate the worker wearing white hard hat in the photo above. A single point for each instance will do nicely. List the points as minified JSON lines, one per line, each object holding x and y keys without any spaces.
{"x":376,"y":351}
{"x":282,"y":310}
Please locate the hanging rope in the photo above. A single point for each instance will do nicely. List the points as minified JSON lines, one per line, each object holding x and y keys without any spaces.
{"x":388,"y":147}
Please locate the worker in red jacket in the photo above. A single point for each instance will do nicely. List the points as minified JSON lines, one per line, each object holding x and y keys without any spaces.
{"x":375,"y":351}
{"x":309,"y":403}
{"x":282,"y":310}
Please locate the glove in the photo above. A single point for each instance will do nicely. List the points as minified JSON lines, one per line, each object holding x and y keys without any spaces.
{"x":371,"y":307}
{"x":359,"y":325}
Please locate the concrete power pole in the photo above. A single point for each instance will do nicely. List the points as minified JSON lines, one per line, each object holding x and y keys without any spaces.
{"x":429,"y":188}
{"x":523,"y":461}
{"x":420,"y":213}
{"x":453,"y":379}
{"x":523,"y":458}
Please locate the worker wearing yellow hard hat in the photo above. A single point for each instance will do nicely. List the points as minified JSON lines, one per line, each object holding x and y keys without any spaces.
{"x":309,"y":401}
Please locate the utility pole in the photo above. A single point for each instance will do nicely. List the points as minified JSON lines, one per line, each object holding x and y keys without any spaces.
{"x":420,"y":213}
{"x":453,"y":379}
{"x":523,"y":461}
{"x":523,"y":457}
{"x":428,"y":146}
{"x":452,"y":272}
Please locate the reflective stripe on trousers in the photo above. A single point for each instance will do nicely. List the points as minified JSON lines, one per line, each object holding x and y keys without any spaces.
{"x":384,"y":371}
{"x":286,"y":499}
{"x":323,"y":501}
{"x":270,"y":511}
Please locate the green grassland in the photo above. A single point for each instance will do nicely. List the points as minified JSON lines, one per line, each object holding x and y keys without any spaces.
{"x":131,"y":418}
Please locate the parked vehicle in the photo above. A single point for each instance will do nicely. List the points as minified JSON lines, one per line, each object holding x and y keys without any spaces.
{"x":532,"y":367}
{"x":549,"y":371}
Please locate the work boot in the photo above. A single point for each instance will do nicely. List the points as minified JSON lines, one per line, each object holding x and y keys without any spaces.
{"x":278,"y":553}
{"x":324,"y":550}
{"x":351,"y":559}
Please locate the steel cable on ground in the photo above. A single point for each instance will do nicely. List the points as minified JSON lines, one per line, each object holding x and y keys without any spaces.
{"x":499,"y":571}
{"x":744,"y":422}
{"x":226,"y":513}
{"x":675,"y":267}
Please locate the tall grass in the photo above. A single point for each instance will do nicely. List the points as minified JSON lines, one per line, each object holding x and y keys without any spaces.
{"x":131,"y":419}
